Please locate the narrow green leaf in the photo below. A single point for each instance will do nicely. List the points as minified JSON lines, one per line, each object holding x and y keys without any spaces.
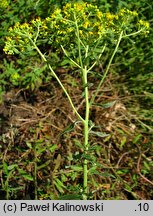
{"x":53,"y":148}
{"x":107,"y":105}
{"x":128,"y":187}
{"x":99,"y":134}
{"x":59,"y":185}
{"x":137,"y":138}
{"x":28,"y":177}
{"x":122,"y":171}
{"x":63,"y":178}
{"x":69,"y":128}
{"x":25,"y":175}
{"x":11,"y":167}
{"x":78,"y":143}
{"x":146,"y":165}
{"x":95,"y":147}
{"x":107,"y":174}
{"x":89,"y":157}
{"x":93,"y":171}
{"x":65,"y":62}
{"x":97,"y":50}
{"x":5,"y":168}
{"x":40,"y":150}
{"x":29,"y":145}
{"x":76,"y":168}
{"x":74,"y":175}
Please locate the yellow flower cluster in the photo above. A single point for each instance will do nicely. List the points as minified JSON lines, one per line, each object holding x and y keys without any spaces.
{"x":10,"y":43}
{"x":144,"y":24}
{"x":61,"y":26}
{"x":37,"y":22}
{"x":111,"y":17}
{"x":125,"y":11}
{"x":24,"y":29}
{"x":85,"y":15}
{"x":15,"y":76}
{"x":74,"y":7}
{"x":56,"y":13}
{"x":21,"y":35}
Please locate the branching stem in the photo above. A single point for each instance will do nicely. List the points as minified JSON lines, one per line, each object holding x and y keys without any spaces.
{"x":107,"y":69}
{"x":58,"y":80}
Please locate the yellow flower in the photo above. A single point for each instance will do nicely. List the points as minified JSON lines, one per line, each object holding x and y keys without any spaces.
{"x":79,"y":6}
{"x":15,"y":76}
{"x":86,"y":24}
{"x":116,"y":17}
{"x":122,"y":12}
{"x":4,"y":4}
{"x":100,"y":30}
{"x":90,"y":33}
{"x":81,"y":32}
{"x":144,"y":24}
{"x":134,"y":13}
{"x":69,"y":30}
{"x":9,"y":39}
{"x":22,"y":49}
{"x":56,"y":13}
{"x":110,"y":16}
{"x":91,"y":6}
{"x":99,"y":14}
{"x":67,"y":6}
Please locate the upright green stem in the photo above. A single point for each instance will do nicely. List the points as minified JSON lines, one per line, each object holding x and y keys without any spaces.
{"x":84,"y":73}
{"x":107,"y":69}
{"x":78,"y":37}
{"x":79,"y":48}
{"x":86,"y":136}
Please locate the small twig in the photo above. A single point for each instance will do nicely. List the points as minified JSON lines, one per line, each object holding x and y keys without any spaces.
{"x":117,"y":165}
{"x":80,"y":105}
{"x":139,"y":171}
{"x":25,"y":107}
